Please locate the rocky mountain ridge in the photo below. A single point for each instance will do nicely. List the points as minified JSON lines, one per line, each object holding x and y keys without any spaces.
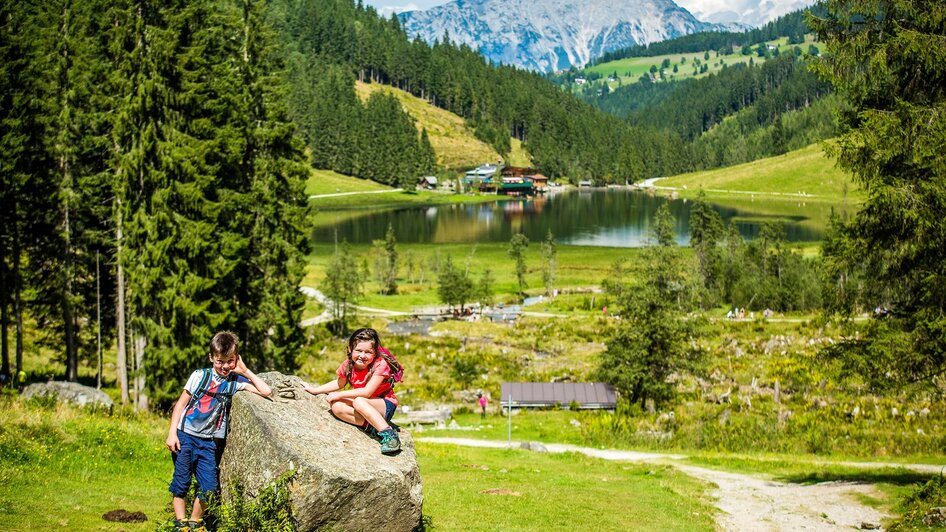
{"x":550,"y":35}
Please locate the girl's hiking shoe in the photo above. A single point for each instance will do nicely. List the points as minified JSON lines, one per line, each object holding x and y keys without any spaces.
{"x":390,"y":443}
{"x":182,"y":526}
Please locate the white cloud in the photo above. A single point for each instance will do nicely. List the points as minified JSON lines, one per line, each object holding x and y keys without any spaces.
{"x":755,"y":12}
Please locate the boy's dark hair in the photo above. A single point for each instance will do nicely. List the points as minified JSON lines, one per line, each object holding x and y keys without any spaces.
{"x":224,"y":344}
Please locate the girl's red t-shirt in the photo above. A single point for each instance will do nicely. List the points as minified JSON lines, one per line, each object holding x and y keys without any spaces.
{"x":360,"y":378}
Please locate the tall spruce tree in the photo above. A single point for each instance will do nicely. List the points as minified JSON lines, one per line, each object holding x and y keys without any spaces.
{"x":271,"y":170}
{"x":390,"y":264}
{"x":886,"y":59}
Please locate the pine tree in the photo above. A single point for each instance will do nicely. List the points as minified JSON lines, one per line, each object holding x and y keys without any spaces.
{"x":484,"y":289}
{"x":342,"y":284}
{"x":886,"y":61}
{"x":517,"y":246}
{"x":549,"y":253}
{"x":390,"y":266}
{"x":650,"y":343}
{"x":706,"y":229}
{"x":455,"y":287}
{"x":663,"y":226}
{"x":272,"y":172}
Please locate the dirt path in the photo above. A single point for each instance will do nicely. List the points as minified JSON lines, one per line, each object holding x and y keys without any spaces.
{"x":750,"y":503}
{"x":337,"y":194}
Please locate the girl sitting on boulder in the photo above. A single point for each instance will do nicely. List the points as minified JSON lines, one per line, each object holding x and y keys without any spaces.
{"x":370,"y":402}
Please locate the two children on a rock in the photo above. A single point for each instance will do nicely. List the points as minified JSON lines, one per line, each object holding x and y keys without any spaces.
{"x":200,"y":418}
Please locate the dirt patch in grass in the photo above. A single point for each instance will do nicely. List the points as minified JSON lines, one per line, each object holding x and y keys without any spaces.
{"x":124,"y":516}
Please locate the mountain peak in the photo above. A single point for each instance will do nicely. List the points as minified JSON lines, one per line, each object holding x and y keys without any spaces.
{"x":550,"y":35}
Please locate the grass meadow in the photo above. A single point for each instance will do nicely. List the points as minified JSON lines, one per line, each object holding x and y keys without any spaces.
{"x":802,"y":175}
{"x":65,"y":467}
{"x":578,"y":267}
{"x":329,"y":182}
{"x":630,"y":69}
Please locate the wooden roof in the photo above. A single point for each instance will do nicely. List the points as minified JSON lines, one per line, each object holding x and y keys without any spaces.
{"x":542,"y":394}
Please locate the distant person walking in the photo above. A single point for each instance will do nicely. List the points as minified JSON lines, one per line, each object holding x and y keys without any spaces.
{"x":483,"y":402}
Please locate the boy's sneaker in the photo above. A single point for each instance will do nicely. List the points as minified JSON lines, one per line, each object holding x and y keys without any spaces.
{"x":390,"y":443}
{"x":182,"y":526}
{"x":198,"y":526}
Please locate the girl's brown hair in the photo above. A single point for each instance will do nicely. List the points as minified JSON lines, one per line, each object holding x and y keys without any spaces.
{"x":364,"y":334}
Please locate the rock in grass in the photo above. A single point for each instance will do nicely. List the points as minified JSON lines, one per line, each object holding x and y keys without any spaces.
{"x":71,"y":392}
{"x":342,"y":481}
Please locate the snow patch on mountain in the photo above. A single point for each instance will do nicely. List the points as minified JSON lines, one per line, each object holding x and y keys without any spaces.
{"x":550,"y":35}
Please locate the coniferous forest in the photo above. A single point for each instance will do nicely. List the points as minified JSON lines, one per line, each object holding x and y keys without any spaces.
{"x":152,"y":176}
{"x":155,"y":156}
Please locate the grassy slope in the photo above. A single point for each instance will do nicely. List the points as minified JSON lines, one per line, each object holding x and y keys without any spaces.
{"x":329,"y":182}
{"x":452,"y":140}
{"x":630,"y":69}
{"x":64,"y":468}
{"x":806,"y":173}
{"x":518,"y":156}
{"x":578,"y":266}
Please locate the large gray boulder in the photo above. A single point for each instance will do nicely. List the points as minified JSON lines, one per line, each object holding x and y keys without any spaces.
{"x":71,"y":392}
{"x":342,"y":481}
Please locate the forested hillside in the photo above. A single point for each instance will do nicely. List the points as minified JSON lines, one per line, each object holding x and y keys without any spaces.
{"x":792,"y":25}
{"x":760,"y":98}
{"x":330,"y":43}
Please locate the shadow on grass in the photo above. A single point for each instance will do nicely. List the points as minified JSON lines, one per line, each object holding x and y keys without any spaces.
{"x":889,"y":475}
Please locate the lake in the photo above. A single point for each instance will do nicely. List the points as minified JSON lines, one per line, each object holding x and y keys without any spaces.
{"x":613,"y":217}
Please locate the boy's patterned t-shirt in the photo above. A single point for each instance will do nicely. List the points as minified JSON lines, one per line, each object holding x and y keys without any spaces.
{"x":209,"y":416}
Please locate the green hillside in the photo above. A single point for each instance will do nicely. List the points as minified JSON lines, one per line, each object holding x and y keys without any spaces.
{"x":630,"y":69}
{"x":806,"y":173}
{"x":328,"y":182}
{"x":453,"y":141}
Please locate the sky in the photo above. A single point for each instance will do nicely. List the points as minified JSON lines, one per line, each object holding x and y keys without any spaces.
{"x":702,"y":9}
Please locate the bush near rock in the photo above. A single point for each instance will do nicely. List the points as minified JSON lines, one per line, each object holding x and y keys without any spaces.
{"x":342,"y":481}
{"x":71,"y":392}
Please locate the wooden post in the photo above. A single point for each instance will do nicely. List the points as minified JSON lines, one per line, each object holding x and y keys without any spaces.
{"x":509,"y":418}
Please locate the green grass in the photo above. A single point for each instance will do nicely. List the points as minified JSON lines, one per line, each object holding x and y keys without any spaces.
{"x":802,"y":175}
{"x":555,"y":492}
{"x":65,"y":467}
{"x":395,"y":199}
{"x":329,"y":182}
{"x":630,"y":69}
{"x":518,"y":156}
{"x":578,"y":266}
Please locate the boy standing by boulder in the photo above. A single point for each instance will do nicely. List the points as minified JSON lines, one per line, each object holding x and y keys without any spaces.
{"x":199,"y":424}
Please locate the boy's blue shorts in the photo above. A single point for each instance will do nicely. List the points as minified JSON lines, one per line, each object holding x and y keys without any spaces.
{"x":198,"y":457}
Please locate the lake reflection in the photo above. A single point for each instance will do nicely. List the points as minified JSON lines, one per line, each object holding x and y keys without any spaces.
{"x":599,"y":217}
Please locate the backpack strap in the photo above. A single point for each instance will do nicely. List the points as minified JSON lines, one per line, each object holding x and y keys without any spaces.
{"x":199,"y":392}
{"x":397,"y":370}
